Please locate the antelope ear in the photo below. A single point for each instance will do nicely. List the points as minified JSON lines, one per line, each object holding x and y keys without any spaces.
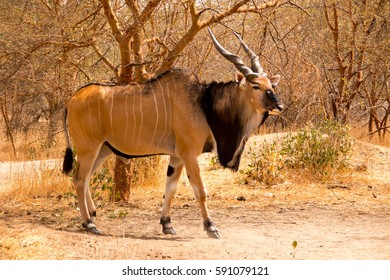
{"x":275,"y":80}
{"x":240,"y":78}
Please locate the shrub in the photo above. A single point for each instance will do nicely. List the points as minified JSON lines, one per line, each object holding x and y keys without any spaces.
{"x":102,"y":184}
{"x":322,"y":150}
{"x":266,"y":164}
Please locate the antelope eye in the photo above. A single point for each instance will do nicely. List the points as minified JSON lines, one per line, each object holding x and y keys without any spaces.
{"x":256,"y":87}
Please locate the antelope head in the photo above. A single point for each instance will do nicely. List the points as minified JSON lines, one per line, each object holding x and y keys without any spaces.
{"x":254,"y":80}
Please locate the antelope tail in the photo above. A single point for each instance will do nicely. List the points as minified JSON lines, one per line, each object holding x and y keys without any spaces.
{"x":68,"y":158}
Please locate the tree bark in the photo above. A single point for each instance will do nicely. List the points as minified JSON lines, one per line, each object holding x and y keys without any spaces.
{"x":122,"y":178}
{"x":7,"y":125}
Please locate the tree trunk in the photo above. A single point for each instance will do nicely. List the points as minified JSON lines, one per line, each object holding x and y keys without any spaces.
{"x":122,"y":174}
{"x":7,"y":126}
{"x":51,"y":127}
{"x":122,"y":178}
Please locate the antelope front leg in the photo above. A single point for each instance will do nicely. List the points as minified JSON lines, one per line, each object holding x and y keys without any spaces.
{"x":193,"y":173}
{"x":173,"y":175}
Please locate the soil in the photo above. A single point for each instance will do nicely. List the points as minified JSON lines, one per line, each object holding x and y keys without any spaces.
{"x":344,"y":217}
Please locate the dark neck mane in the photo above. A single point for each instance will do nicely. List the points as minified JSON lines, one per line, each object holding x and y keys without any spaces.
{"x":223,"y":107}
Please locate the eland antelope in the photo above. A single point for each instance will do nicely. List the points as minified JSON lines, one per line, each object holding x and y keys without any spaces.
{"x":172,"y":114}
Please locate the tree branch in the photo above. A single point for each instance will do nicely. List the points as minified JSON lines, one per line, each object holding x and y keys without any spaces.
{"x":105,"y":59}
{"x":299,"y":7}
{"x":112,"y":20}
{"x":136,"y":32}
{"x":198,"y":25}
{"x":69,"y":45}
{"x":142,"y":18}
{"x":233,"y":9}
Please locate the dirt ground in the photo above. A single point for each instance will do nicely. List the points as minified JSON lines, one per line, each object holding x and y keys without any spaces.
{"x":346,"y":217}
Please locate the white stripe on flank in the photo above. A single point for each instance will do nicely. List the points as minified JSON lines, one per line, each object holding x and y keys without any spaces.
{"x":170,"y":111}
{"x":135,"y":120}
{"x":127,"y":116}
{"x":165,"y":112}
{"x":89,"y":113}
{"x":157,"y":117}
{"x":112,"y":107}
{"x":142,"y":118}
{"x":100,"y":117}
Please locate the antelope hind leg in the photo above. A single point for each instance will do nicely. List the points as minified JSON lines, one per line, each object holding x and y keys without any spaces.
{"x":81,"y":180}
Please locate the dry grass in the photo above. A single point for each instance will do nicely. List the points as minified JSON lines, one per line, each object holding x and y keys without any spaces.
{"x":31,"y":146}
{"x":41,"y":179}
{"x":23,"y":244}
{"x":361,"y":134}
{"x":22,"y":239}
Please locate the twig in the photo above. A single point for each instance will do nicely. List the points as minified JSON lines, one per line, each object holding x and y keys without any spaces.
{"x":299,"y":7}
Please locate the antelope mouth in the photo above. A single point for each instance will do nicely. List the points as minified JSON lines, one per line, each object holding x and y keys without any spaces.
{"x":277,"y":110}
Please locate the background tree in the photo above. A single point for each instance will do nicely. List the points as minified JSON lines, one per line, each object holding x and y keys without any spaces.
{"x":40,"y":62}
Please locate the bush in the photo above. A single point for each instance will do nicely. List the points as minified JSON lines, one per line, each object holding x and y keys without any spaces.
{"x":102,"y":184}
{"x":266,"y":164}
{"x":322,"y":150}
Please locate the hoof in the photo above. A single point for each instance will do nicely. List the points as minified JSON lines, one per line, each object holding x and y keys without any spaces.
{"x":93,"y":230}
{"x":213,"y":234}
{"x":90,"y":227}
{"x":166,"y":225}
{"x":169,"y":231}
{"x":212,"y":231}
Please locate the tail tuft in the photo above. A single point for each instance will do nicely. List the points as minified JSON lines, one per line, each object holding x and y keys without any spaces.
{"x":68,"y":161}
